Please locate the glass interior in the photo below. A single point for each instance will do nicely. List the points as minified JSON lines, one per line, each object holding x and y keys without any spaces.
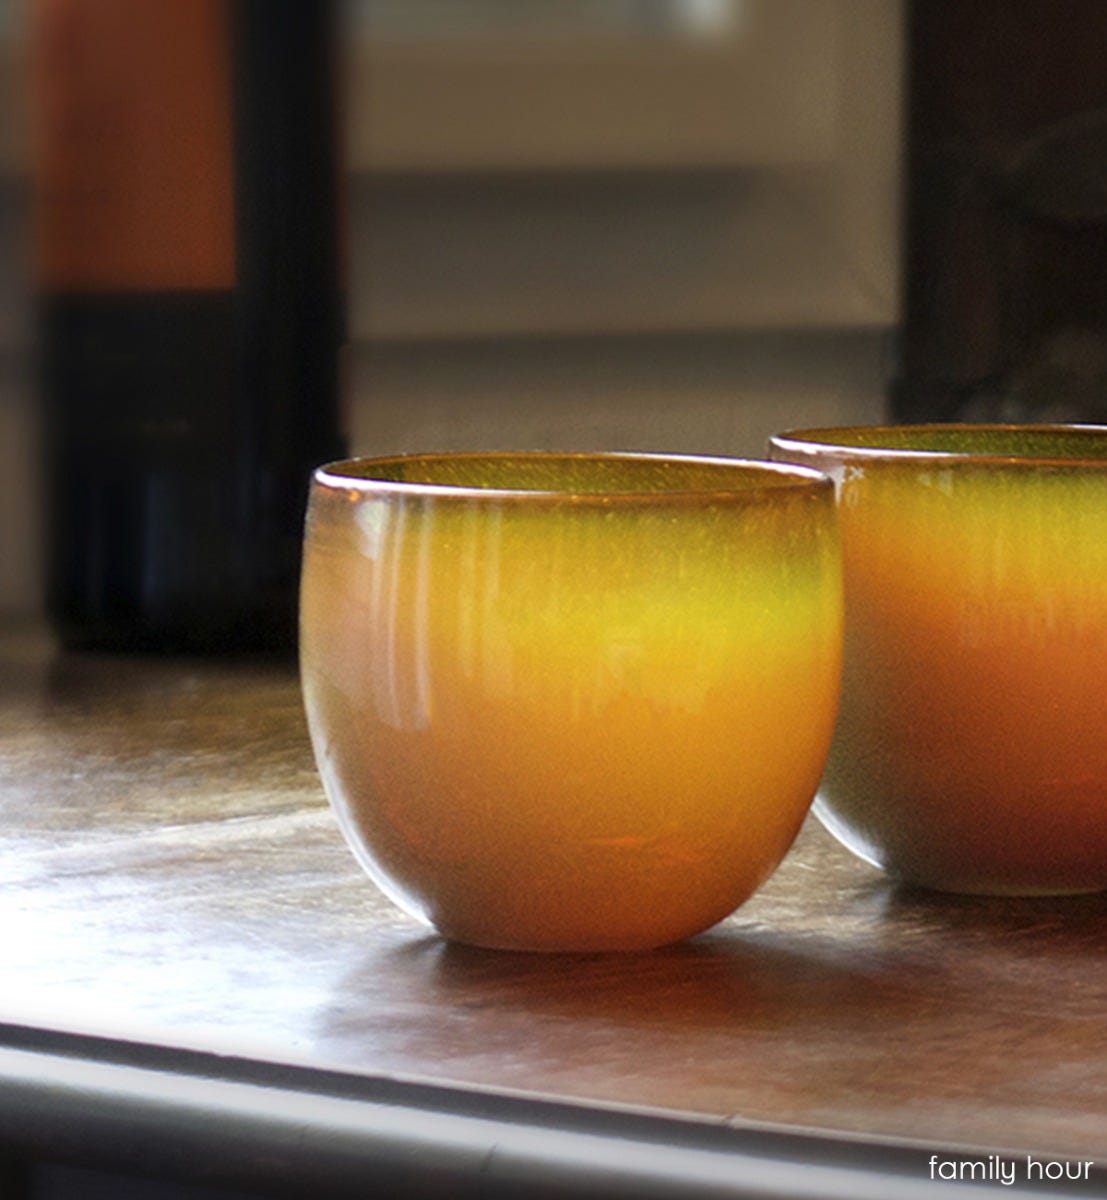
{"x":1002,"y":441}
{"x":574,"y":474}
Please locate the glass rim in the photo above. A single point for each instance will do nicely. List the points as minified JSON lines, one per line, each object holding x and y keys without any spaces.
{"x":830,"y":438}
{"x":776,"y":477}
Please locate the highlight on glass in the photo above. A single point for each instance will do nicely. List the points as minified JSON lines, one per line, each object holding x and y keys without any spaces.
{"x":971,"y":751}
{"x":570,"y":701}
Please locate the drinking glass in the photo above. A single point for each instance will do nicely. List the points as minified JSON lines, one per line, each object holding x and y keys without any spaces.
{"x":570,"y":701}
{"x":971,"y":750}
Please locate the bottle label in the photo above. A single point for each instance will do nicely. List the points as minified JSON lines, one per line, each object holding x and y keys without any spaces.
{"x":133,"y":146}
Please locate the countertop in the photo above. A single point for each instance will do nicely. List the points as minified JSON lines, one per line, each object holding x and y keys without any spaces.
{"x":199,"y":982}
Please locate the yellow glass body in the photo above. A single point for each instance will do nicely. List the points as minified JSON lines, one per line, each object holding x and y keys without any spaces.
{"x":971,"y":750}
{"x":570,"y":702}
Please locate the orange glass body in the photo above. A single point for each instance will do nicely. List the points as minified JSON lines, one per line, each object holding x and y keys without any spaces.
{"x":971,"y":750}
{"x":570,"y":702}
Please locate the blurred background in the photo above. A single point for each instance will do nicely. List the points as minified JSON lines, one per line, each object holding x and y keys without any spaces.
{"x":676,"y":225}
{"x":589,"y":224}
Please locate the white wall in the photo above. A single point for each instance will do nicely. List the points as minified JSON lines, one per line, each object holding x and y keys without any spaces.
{"x":708,"y":394}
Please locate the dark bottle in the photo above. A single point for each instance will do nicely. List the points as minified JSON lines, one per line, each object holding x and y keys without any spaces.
{"x":190,"y":313}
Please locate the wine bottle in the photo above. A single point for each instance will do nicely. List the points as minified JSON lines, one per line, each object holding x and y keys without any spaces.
{"x":190,"y":315}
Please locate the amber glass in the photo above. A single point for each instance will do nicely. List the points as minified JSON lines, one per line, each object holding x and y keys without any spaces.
{"x":570,"y":702}
{"x":971,"y":750}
